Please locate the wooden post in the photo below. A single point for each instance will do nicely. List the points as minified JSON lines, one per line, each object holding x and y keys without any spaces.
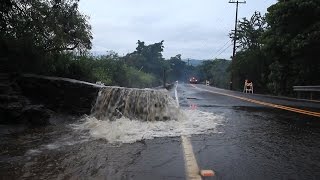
{"x":164,"y":78}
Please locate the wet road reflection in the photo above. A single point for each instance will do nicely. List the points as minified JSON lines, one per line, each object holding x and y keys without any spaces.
{"x":256,"y":142}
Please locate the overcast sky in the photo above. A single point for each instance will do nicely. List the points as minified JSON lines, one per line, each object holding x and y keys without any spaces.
{"x":196,"y":29}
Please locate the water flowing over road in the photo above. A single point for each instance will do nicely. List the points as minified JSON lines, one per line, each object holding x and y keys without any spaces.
{"x":230,"y":133}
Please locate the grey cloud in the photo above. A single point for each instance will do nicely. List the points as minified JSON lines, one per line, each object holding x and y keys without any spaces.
{"x":195,"y":29}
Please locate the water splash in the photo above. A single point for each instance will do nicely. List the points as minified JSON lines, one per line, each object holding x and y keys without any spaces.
{"x":143,"y":104}
{"x":124,"y":130}
{"x":127,"y":115}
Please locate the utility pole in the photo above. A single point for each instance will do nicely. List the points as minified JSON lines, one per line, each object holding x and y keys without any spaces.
{"x":188,"y":70}
{"x":235,"y":35}
{"x":235,"y":26}
{"x":164,"y":78}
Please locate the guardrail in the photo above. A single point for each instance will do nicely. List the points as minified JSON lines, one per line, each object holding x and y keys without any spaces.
{"x":311,"y":89}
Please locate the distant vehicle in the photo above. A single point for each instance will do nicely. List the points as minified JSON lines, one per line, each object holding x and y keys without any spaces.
{"x":193,"y":80}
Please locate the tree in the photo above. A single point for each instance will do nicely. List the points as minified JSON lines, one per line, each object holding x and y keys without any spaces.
{"x":250,"y":32}
{"x":178,"y":68}
{"x":147,"y":58}
{"x":280,"y":50}
{"x":293,"y":42}
{"x":36,"y":35}
{"x":51,"y":26}
{"x":250,"y":62}
{"x":216,"y":71}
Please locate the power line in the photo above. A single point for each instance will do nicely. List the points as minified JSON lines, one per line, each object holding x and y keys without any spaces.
{"x":219,"y":26}
{"x":223,"y":51}
{"x":222,"y":46}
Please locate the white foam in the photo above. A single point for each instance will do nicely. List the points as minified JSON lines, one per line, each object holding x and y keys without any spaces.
{"x":124,"y":130}
{"x":57,"y":144}
{"x":33,"y":152}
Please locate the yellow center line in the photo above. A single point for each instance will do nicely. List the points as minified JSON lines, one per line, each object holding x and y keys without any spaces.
{"x":191,"y":165}
{"x":287,"y":108}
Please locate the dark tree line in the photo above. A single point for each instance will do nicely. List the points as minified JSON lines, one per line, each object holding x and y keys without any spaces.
{"x":35,"y":33}
{"x":52,"y":37}
{"x":281,"y":49}
{"x":215,"y":71}
{"x":276,"y":51}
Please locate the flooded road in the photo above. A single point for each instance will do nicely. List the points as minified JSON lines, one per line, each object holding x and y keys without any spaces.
{"x":64,"y":153}
{"x":235,"y":138}
{"x":256,"y":142}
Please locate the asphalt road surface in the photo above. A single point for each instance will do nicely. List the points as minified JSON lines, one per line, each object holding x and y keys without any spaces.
{"x":258,"y":137}
{"x":256,"y":141}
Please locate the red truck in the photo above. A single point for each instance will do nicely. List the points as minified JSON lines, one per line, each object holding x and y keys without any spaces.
{"x":193,"y":80}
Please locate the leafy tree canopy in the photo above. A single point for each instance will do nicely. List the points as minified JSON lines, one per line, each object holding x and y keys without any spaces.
{"x":281,"y":49}
{"x":48,"y":25}
{"x":148,"y":58}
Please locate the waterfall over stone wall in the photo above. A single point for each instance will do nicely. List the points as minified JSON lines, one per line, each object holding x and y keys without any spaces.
{"x":140,"y":104}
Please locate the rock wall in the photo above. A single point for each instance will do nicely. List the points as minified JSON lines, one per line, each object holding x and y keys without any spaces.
{"x":59,"y":94}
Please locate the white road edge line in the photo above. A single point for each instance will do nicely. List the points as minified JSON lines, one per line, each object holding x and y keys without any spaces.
{"x":176,"y":94}
{"x":191,"y":166}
